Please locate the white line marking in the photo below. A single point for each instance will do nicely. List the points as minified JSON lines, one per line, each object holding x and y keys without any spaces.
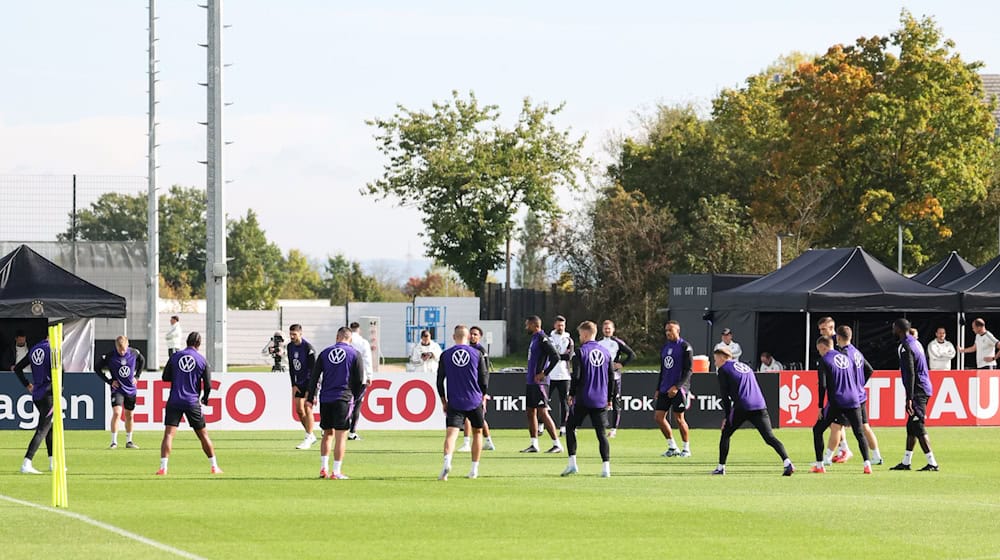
{"x":106,"y":527}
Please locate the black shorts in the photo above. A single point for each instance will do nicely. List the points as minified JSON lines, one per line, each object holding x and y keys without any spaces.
{"x":919,"y":409}
{"x":301,"y":391}
{"x":172,"y":416}
{"x":456,"y":418}
{"x":121,"y":399}
{"x":335,"y":415}
{"x":678,"y":403}
{"x":536,"y":396}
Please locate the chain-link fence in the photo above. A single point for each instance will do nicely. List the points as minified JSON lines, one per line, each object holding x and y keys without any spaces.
{"x":40,"y":207}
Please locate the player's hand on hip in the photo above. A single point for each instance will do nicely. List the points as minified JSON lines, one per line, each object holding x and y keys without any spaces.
{"x":909,"y":408}
{"x":672,"y":391}
{"x":115,"y":384}
{"x":569,"y":401}
{"x":539,"y":377}
{"x":30,"y":387}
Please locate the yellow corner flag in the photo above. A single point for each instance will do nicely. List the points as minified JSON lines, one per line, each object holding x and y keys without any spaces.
{"x":60,"y":496}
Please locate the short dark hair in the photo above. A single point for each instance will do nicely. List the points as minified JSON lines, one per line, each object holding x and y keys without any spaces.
{"x":765,"y":355}
{"x":343,"y":333}
{"x":425,"y":332}
{"x":354,"y":325}
{"x":845,"y":332}
{"x":979,"y":322}
{"x":175,"y":317}
{"x":475,"y":328}
{"x":534,"y":320}
{"x":295,"y":327}
{"x":824,"y":320}
{"x":903,"y":325}
{"x":19,"y":332}
{"x":194,"y":339}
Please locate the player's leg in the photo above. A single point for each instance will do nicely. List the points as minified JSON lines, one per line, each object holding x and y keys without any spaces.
{"x":171,"y":420}
{"x":550,"y":427}
{"x":42,"y":433}
{"x":598,"y":417}
{"x":823,"y":454}
{"x":561,"y":389}
{"x":616,"y":408}
{"x":838,"y":441}
{"x":532,"y":414}
{"x":575,"y":418}
{"x":762,"y":421}
{"x":661,"y":407}
{"x":731,"y":423}
{"x":339,"y":447}
{"x":197,"y":422}
{"x":853,"y":416}
{"x":128,"y":413}
{"x":477,"y":419}
{"x":356,"y":413}
{"x":450,"y":435}
{"x":298,"y":404}
{"x":920,"y":433}
{"x":326,"y":440}
{"x":677,"y":409}
{"x":116,"y":417}
{"x":341,"y":412}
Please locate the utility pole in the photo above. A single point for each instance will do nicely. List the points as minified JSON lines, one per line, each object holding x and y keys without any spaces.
{"x":215,"y":263}
{"x":152,"y":205}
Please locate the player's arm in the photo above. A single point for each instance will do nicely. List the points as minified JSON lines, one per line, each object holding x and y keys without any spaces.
{"x":566,"y":356}
{"x":140,"y":363}
{"x":552,"y":355}
{"x":575,"y":366}
{"x":101,"y":366}
{"x":206,"y":383}
{"x":625,"y":352}
{"x":687,"y":364}
{"x":317,"y":372}
{"x":440,"y":380}
{"x":19,"y":370}
{"x":168,"y":371}
{"x":727,"y":403}
{"x":822,"y":370}
{"x":907,"y":369}
{"x":659,"y":380}
{"x":357,"y":377}
{"x":869,"y":370}
{"x":484,"y":375}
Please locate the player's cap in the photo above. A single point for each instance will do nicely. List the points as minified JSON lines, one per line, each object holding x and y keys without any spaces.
{"x":727,"y":330}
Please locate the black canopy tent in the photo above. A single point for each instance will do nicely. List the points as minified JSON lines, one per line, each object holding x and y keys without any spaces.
{"x":34,"y":290}
{"x":980,"y":290}
{"x":848,"y":283}
{"x":946,"y":270}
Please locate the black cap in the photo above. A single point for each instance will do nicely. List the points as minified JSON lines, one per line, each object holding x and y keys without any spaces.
{"x":727,"y":330}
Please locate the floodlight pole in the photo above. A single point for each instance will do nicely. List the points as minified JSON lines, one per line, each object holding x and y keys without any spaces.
{"x":152,"y":205}
{"x":215,"y":262}
{"x":899,"y":248}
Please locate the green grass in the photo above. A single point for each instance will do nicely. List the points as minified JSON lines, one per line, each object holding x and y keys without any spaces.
{"x":269,"y":504}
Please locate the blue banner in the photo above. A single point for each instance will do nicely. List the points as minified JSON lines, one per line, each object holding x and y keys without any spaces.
{"x":84,"y":403}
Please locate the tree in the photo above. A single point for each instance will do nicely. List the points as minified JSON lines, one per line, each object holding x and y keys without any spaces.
{"x":123,"y":217}
{"x":469,"y":175}
{"x":438,"y":282}
{"x":344,"y":282}
{"x":299,"y":279}
{"x":255,"y":265}
{"x":886,"y":139}
{"x":532,"y":262}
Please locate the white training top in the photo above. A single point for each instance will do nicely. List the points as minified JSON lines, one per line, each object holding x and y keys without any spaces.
{"x":365,"y":349}
{"x":733,"y":347}
{"x":775,"y":366}
{"x":986,"y":345}
{"x":426,"y":366}
{"x":561,"y":342}
{"x":940,"y":354}
{"x":174,"y":336}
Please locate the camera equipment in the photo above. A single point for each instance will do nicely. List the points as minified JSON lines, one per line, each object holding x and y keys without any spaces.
{"x":275,"y":347}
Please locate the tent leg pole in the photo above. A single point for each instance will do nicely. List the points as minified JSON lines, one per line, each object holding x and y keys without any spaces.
{"x":805,"y":362}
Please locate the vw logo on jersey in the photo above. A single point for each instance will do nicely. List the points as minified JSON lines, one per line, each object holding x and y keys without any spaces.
{"x":461,"y":357}
{"x":186,"y":363}
{"x":37,"y":356}
{"x":859,"y":362}
{"x":296,"y":364}
{"x":841,"y":361}
{"x":124,"y":371}
{"x":742,"y":368}
{"x":596,"y":358}
{"x":668,"y":362}
{"x":337,"y":355}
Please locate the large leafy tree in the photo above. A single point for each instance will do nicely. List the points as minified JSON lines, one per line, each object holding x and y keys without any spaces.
{"x":532,"y":260}
{"x":255,"y":265}
{"x":299,"y":279}
{"x":345,"y":281}
{"x":469,"y":175}
{"x":122,"y":217}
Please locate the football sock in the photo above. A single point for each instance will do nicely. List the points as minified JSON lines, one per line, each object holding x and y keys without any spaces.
{"x":930,"y":459}
{"x":876,"y":456}
{"x":324,"y":462}
{"x":534,"y":442}
{"x":555,"y":442}
{"x":722,"y":467}
{"x":26,"y":463}
{"x":163,"y":463}
{"x":843,"y":445}
{"x":671,"y":444}
{"x":447,"y":461}
{"x":213,"y":461}
{"x":466,"y":441}
{"x":475,"y":467}
{"x":336,"y":467}
{"x":572,"y":461}
{"x":114,"y":438}
{"x":827,"y":455}
{"x":687,"y":446}
{"x":787,"y":462}
{"x":128,"y":437}
{"x":606,"y":467}
{"x":907,"y":457}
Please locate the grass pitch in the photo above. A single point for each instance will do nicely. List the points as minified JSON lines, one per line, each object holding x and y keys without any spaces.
{"x":269,"y":503}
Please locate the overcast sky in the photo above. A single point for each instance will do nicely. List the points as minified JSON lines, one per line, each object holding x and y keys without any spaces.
{"x":307,"y":73}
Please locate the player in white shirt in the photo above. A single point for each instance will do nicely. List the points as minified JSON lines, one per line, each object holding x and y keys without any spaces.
{"x":364,"y":349}
{"x":985,"y":346}
{"x":769,"y":364}
{"x":559,"y":377}
{"x":175,"y":335}
{"x":729,"y":344}
{"x":622,"y":354}
{"x":940,"y":352}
